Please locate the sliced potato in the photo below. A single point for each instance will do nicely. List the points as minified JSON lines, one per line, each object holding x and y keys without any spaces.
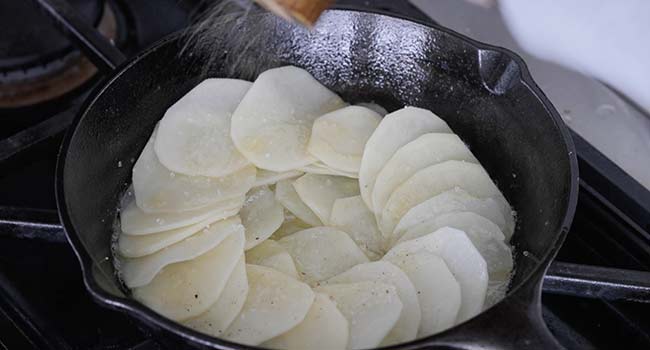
{"x":406,"y":327}
{"x":394,"y":131}
{"x":496,"y":291}
{"x":484,"y":234}
{"x":437,"y":290}
{"x":319,"y":192}
{"x":338,"y":138}
{"x":352,"y":216}
{"x":187,"y":289}
{"x":194,"y":134}
{"x":324,"y":328}
{"x":130,"y":246}
{"x":426,"y":150}
{"x":371,"y":308}
{"x":286,"y":194}
{"x":134,"y":221}
{"x":268,"y":177}
{"x":375,"y":107}
{"x":272,"y":254}
{"x":220,"y":315}
{"x":261,"y":215}
{"x":322,"y":252}
{"x":272,"y":124}
{"x":320,"y":168}
{"x":157,"y":189}
{"x":290,"y":225}
{"x":464,"y":261}
{"x":137,"y":272}
{"x":454,"y":200}
{"x":432,"y":181}
{"x":275,"y":304}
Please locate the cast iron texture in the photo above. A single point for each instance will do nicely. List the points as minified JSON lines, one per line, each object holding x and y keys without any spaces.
{"x":485,"y":94}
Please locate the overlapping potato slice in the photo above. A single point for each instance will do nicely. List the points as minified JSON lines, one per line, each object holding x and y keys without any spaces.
{"x":290,"y":225}
{"x":322,"y":252}
{"x":276,"y":136}
{"x":339,"y":137}
{"x":352,"y":216}
{"x":371,"y":308}
{"x":394,"y":131}
{"x":268,"y":177}
{"x":437,"y":290}
{"x":456,"y":200}
{"x":137,"y":272}
{"x":194,"y":134}
{"x":324,"y":328}
{"x":321,"y":168}
{"x":187,"y":289}
{"x":158,"y":189}
{"x":134,"y":221}
{"x":484,"y":234}
{"x":426,"y":150}
{"x":275,"y":304}
{"x":434,"y":180}
{"x":463,"y":260}
{"x":130,"y":246}
{"x":406,"y":327}
{"x":319,"y":192}
{"x":286,"y":194}
{"x":375,"y":107}
{"x":272,"y":254}
{"x":261,"y":215}
{"x":218,"y":317}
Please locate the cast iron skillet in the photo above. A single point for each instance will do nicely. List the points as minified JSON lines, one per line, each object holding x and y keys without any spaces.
{"x":485,"y":94}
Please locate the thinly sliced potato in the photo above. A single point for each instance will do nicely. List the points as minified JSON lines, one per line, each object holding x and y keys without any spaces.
{"x":463,"y":260}
{"x":484,"y":234}
{"x":272,"y":124}
{"x":371,"y":308}
{"x":324,"y":328}
{"x":187,"y":289}
{"x":130,"y":246}
{"x":320,"y":168}
{"x":338,"y":138}
{"x":455,"y":200}
{"x":275,"y":304}
{"x":286,"y":194}
{"x":375,"y":107}
{"x":194,"y":134}
{"x":138,"y":272}
{"x":437,"y":289}
{"x":408,"y":323}
{"x":322,"y":252}
{"x":394,"y":131}
{"x":319,"y":192}
{"x":261,"y":215}
{"x":426,"y":150}
{"x":268,"y":177}
{"x":352,"y":216}
{"x":495,"y":292}
{"x":432,"y":181}
{"x":157,"y":189}
{"x":272,"y":254}
{"x":290,"y":225}
{"x":134,"y":221}
{"x":220,"y":315}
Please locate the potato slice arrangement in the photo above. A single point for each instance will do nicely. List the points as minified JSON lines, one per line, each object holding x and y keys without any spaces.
{"x":274,"y":214}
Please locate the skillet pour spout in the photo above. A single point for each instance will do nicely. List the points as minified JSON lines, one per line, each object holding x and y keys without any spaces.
{"x":484,"y":93}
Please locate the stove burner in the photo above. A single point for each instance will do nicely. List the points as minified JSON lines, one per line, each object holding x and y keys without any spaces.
{"x":55,"y":73}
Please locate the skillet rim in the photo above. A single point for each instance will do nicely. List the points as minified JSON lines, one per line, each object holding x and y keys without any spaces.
{"x":143,"y":313}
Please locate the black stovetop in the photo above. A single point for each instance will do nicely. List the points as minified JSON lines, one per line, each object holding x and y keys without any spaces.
{"x":591,"y":298}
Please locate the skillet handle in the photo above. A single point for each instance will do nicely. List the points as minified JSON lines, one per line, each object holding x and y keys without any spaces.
{"x":514,"y":323}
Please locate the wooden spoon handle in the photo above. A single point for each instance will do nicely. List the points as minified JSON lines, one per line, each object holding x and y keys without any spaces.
{"x":305,"y":12}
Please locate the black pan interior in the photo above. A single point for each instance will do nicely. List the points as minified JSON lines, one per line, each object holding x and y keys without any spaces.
{"x":479,"y":91}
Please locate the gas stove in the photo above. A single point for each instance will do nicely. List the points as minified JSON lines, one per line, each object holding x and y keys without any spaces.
{"x":596,"y":293}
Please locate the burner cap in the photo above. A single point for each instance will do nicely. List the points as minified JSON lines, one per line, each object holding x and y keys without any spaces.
{"x":29,"y":38}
